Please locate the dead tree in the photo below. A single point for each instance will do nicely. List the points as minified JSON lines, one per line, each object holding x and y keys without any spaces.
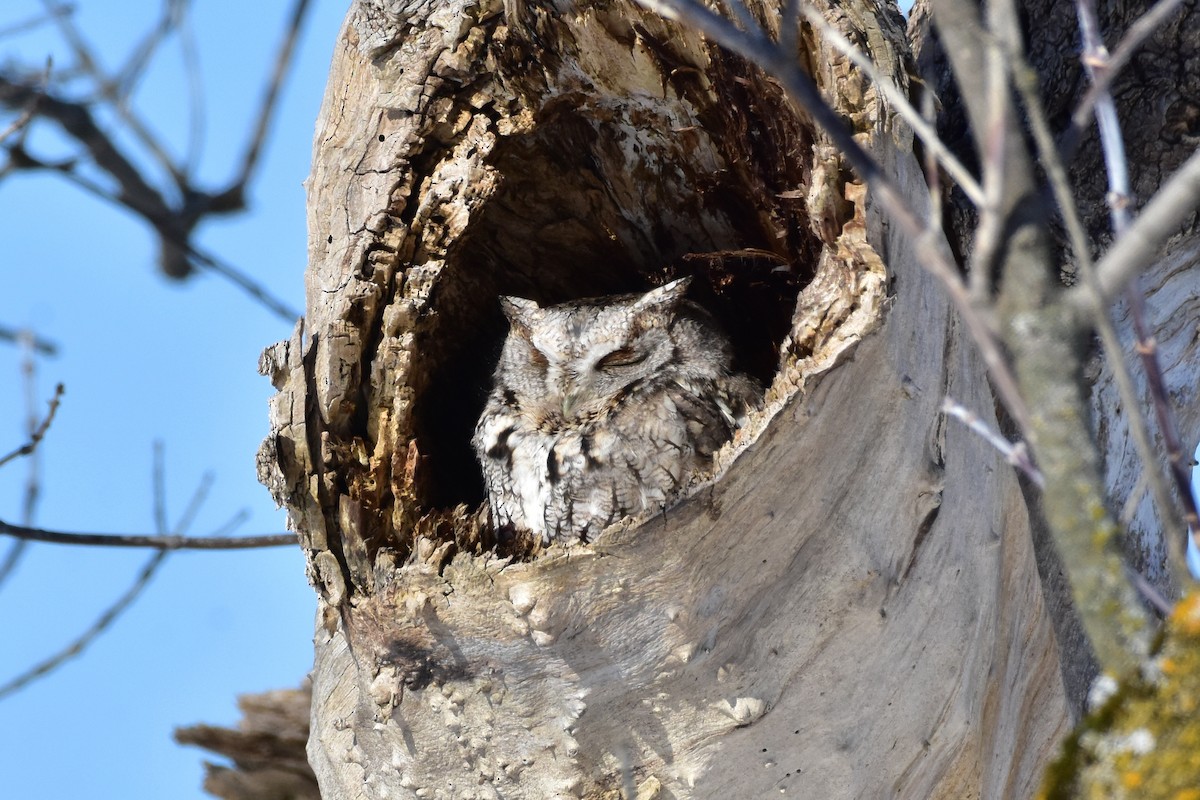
{"x":852,"y":606}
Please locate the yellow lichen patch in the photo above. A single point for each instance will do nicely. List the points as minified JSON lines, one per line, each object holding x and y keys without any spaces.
{"x":1144,"y":742}
{"x":1186,"y":616}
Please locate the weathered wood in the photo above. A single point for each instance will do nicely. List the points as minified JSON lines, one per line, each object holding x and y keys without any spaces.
{"x":266,"y":748}
{"x":851,"y":608}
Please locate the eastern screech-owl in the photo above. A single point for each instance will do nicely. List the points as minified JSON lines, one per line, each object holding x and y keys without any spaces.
{"x":605,"y":408}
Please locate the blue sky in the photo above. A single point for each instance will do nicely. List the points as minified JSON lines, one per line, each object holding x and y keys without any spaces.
{"x":144,"y":359}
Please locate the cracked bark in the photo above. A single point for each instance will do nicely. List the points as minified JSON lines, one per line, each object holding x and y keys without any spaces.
{"x":850,"y":608}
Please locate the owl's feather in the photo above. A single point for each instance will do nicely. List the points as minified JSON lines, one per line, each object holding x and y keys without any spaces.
{"x":605,"y":408}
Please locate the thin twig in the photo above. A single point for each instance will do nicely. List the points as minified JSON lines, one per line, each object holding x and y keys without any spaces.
{"x":31,"y":107}
{"x":897,"y":100}
{"x":25,"y":25}
{"x":1134,"y":499}
{"x":198,"y":257}
{"x":244,"y":282}
{"x":755,"y":47}
{"x":1161,"y":217}
{"x":283,"y":60}
{"x":789,"y":26}
{"x":1153,"y":596}
{"x":147,"y":541}
{"x":1138,"y":32}
{"x":1095,"y":59}
{"x":741,"y":13}
{"x":107,"y":87}
{"x":1046,"y":343}
{"x":75,"y":648}
{"x":35,"y":430}
{"x":126,"y":78}
{"x":165,"y":544}
{"x":23,"y":119}
{"x":174,"y":221}
{"x":39,"y":430}
{"x":198,"y":498}
{"x":196,"y":108}
{"x":1025,"y":80}
{"x":990,"y":231}
{"x":1015,"y":454}
{"x":43,"y":346}
{"x":12,"y":557}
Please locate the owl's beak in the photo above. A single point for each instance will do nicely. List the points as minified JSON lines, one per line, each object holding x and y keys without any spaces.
{"x":570,"y":401}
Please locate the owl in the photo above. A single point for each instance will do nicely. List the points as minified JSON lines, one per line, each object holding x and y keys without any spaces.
{"x":605,"y":408}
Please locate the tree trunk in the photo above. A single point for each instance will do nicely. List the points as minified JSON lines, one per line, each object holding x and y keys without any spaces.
{"x":850,"y":607}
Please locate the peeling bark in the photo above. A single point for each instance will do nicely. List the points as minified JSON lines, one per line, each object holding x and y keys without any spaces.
{"x":267,"y":749}
{"x":850,"y":607}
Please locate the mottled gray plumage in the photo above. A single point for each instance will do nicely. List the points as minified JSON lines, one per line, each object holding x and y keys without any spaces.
{"x":605,"y":408}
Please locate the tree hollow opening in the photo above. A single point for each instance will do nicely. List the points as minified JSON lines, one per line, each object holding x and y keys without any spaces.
{"x":585,"y":207}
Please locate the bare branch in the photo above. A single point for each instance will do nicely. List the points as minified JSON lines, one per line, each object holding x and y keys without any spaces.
{"x":1015,"y":454}
{"x":11,"y":558}
{"x":283,"y":61}
{"x":163,"y":540}
{"x":1096,"y":61}
{"x":22,"y":120}
{"x":77,"y":122}
{"x":1025,"y":80}
{"x":990,"y":231}
{"x":1153,"y":596}
{"x":1047,"y":342}
{"x":28,"y":24}
{"x":31,"y":107}
{"x":789,"y":26}
{"x":33,"y":485}
{"x":1159,"y":219}
{"x":142,"y":54}
{"x":38,"y":431}
{"x":245,"y":283}
{"x":160,"y":490}
{"x":165,"y":543}
{"x":191,"y":65}
{"x":108,"y":88}
{"x":758,"y":49}
{"x":899,"y":101}
{"x":75,"y":648}
{"x":932,"y":175}
{"x":154,"y":542}
{"x":173,"y":226}
{"x":1138,"y":32}
{"x":43,"y":346}
{"x":174,"y":220}
{"x":741,"y":13}
{"x":198,"y":498}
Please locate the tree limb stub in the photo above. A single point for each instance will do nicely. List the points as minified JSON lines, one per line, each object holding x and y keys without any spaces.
{"x":467,"y":150}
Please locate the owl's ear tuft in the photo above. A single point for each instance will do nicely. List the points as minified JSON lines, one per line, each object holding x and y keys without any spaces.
{"x":665,"y":297}
{"x":521,"y":313}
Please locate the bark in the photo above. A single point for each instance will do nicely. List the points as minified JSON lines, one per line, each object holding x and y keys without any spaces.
{"x":267,"y":749}
{"x":851,"y":607}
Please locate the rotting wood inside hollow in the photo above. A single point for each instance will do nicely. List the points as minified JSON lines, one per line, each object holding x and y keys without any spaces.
{"x":751,"y":290}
